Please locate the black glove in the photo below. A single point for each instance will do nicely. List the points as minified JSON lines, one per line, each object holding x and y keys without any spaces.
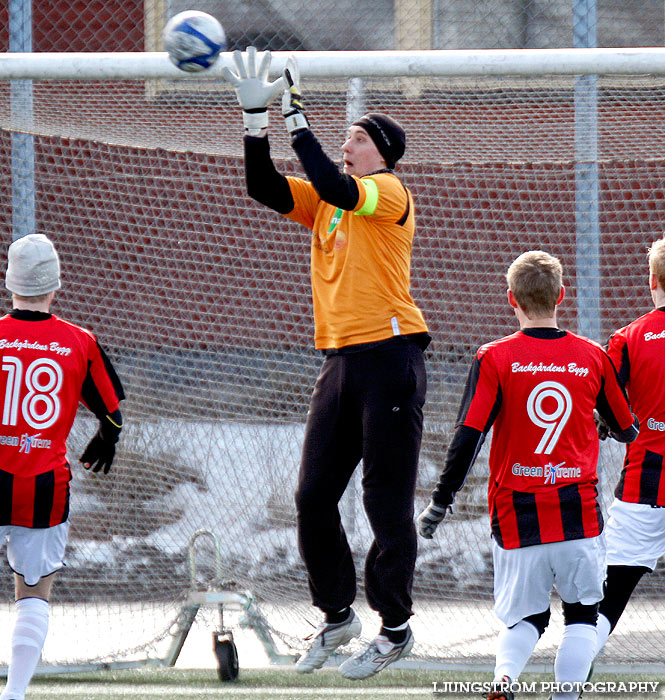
{"x":100,"y":451}
{"x":99,"y":454}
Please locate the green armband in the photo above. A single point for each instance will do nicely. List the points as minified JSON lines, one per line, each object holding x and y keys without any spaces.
{"x":371,"y":198}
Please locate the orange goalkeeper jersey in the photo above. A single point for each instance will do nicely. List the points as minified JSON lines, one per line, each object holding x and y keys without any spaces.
{"x":361,"y":262}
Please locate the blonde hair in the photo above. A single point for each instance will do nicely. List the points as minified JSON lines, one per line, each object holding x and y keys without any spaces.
{"x":657,"y":261}
{"x":535,"y":279}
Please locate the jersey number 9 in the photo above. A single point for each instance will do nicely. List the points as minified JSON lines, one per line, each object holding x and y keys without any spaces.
{"x":552,"y":419}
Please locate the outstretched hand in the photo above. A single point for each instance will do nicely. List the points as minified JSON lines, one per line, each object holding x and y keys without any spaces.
{"x":292,"y":108}
{"x":252,"y":88}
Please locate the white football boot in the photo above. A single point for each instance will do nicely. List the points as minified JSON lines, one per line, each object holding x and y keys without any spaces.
{"x":380,"y":652}
{"x":327,"y":638}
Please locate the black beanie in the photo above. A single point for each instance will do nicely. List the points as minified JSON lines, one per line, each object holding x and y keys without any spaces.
{"x":387,"y":134}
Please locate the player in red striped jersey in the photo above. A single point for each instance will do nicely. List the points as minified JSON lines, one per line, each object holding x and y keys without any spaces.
{"x":636,"y":524}
{"x":47,"y":366}
{"x":538,"y":388}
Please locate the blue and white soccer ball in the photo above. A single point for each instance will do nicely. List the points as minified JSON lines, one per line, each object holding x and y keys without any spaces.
{"x":194,"y":40}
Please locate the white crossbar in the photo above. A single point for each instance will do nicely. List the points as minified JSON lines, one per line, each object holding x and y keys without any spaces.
{"x":340,"y":64}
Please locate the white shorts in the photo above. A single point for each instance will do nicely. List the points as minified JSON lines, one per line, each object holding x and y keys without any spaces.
{"x":35,"y":552}
{"x":635,"y":534}
{"x":524,"y":577}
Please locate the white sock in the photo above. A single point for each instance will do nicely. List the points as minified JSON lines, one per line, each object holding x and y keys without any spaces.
{"x":397,"y":629}
{"x":603,"y":627}
{"x":574,"y":657}
{"x":27,"y":643}
{"x":514,"y":647}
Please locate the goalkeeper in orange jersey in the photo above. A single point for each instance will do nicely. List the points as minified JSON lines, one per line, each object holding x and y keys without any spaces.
{"x":48,"y":367}
{"x":368,"y":399}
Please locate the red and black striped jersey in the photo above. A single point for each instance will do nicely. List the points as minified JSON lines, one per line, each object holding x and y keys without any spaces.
{"x":638,"y":351}
{"x":47,"y":367}
{"x":538,"y":389}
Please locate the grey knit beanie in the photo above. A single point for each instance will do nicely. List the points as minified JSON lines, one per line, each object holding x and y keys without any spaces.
{"x":33,"y":267}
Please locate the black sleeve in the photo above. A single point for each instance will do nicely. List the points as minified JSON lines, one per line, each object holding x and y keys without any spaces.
{"x":460,"y":457}
{"x":110,"y":426}
{"x":605,"y":410}
{"x":466,"y":442}
{"x":629,"y":434}
{"x":264,"y":183}
{"x":332,"y":186}
{"x":469,"y":393}
{"x":89,"y":392}
{"x":624,"y":371}
{"x":113,"y":375}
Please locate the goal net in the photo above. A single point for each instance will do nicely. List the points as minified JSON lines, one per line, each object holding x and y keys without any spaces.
{"x":201,"y":297}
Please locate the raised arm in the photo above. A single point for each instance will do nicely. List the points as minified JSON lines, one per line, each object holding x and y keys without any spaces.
{"x":264,"y":183}
{"x":255,"y":93}
{"x":332,"y":186}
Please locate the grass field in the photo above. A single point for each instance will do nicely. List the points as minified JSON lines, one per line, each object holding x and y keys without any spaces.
{"x":279,"y":684}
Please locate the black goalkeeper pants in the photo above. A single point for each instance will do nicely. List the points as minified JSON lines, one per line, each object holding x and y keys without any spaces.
{"x":365,"y":405}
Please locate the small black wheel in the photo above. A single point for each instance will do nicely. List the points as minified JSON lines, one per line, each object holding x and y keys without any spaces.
{"x":227,"y":657}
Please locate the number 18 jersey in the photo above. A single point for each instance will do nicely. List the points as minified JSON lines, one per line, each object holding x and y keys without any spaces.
{"x":538,"y":388}
{"x":47,"y":367}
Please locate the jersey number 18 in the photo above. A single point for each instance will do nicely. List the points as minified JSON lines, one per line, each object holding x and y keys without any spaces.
{"x":40,"y":405}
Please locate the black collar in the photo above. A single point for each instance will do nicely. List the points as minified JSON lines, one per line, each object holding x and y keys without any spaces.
{"x":378,"y":172}
{"x":28,"y":315}
{"x":544,"y":333}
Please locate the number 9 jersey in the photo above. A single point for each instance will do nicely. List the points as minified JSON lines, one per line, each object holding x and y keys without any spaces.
{"x":47,"y":367}
{"x":538,"y":388}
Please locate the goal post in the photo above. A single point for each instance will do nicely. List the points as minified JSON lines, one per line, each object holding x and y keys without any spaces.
{"x":136,"y":65}
{"x":202,"y":299}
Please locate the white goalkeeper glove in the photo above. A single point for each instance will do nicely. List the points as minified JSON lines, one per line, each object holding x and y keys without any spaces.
{"x":292,"y":109}
{"x":253,"y":90}
{"x":430,"y":518}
